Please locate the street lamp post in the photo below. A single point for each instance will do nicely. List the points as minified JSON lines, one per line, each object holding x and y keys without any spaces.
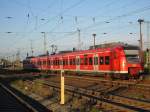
{"x":79,"y":39}
{"x":141,"y":40}
{"x":94,"y":35}
{"x":44,"y":42}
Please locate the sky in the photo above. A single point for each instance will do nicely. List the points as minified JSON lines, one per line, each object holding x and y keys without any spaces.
{"x":22,"y":21}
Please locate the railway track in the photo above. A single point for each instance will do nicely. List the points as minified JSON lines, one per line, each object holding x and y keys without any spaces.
{"x":133,"y":83}
{"x":9,"y":102}
{"x":103,"y":96}
{"x":127,"y":83}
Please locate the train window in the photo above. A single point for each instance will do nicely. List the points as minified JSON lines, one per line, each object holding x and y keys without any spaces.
{"x":39,"y":62}
{"x":90,"y":61}
{"x":73,"y":61}
{"x":66,"y":62}
{"x":63,"y":62}
{"x":95,"y":60}
{"x":101,"y":60}
{"x":81,"y":61}
{"x":107,"y":60}
{"x":57,"y":62}
{"x":44,"y":62}
{"x":49,"y":62}
{"x":53,"y":62}
{"x":70,"y":61}
{"x":85,"y":61}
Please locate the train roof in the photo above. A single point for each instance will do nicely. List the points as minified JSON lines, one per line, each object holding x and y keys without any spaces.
{"x":101,"y":47}
{"x":113,"y":44}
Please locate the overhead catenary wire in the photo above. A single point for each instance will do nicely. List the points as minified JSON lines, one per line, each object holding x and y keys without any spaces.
{"x":56,"y":26}
{"x":118,"y":17}
{"x":62,"y":12}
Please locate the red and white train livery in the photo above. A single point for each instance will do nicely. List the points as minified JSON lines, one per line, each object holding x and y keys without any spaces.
{"x":119,"y":59}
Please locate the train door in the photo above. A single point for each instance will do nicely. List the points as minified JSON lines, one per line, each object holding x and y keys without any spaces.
{"x":52,"y":63}
{"x":116,"y":61}
{"x":77,"y":63}
{"x":95,"y":62}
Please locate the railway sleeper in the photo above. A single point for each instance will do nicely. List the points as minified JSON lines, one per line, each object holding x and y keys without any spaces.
{"x":104,"y":105}
{"x":136,"y":103}
{"x":81,"y":92}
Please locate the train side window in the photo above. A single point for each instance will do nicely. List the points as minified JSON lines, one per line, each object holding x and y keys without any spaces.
{"x":90,"y":61}
{"x":57,"y":62}
{"x":95,"y":60}
{"x":66,"y":61}
{"x":63,"y":62}
{"x":101,"y":60}
{"x":73,"y":61}
{"x":70,"y":61}
{"x":39,"y":62}
{"x":81,"y":61}
{"x":85,"y":61}
{"x":49,"y":62}
{"x":107,"y":60}
{"x":44,"y":62}
{"x":60,"y":63}
{"x":53,"y":62}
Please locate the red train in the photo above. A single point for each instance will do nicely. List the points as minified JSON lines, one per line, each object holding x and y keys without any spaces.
{"x":119,"y":60}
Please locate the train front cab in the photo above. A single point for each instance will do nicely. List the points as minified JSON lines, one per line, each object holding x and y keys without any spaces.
{"x":130,"y":61}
